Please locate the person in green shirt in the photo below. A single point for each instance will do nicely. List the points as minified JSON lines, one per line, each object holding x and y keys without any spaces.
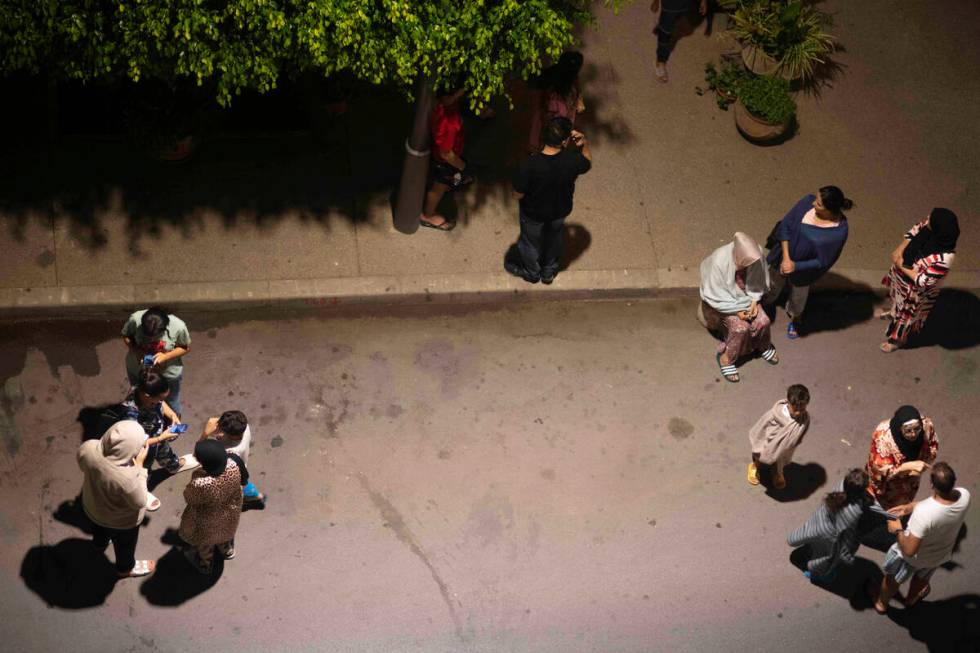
{"x":161,"y":340}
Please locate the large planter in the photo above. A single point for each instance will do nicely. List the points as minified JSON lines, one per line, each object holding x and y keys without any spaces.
{"x":758,"y":62}
{"x":756,"y":130}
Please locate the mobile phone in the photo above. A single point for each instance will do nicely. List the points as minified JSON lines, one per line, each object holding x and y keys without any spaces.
{"x":148,"y":360}
{"x":178,"y":428}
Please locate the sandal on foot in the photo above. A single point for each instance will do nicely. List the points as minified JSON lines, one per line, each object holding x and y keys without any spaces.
{"x":791,"y":331}
{"x":187,"y":462}
{"x":141,"y":568}
{"x":917,"y":598}
{"x":660,"y":72}
{"x":152,"y":503}
{"x":770,"y":356}
{"x":445,"y":225}
{"x":888,"y":347}
{"x":753,"y":474}
{"x":880,"y":609}
{"x":885,"y":315}
{"x":730,"y":372}
{"x":779,"y":482}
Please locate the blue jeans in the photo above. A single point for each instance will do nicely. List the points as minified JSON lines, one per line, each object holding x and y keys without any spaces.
{"x":540,"y":246}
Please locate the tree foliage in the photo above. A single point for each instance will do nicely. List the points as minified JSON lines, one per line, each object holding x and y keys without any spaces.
{"x":233,"y":45}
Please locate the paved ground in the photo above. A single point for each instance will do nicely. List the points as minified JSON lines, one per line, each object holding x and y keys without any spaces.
{"x":290,"y":217}
{"x":552,"y":477}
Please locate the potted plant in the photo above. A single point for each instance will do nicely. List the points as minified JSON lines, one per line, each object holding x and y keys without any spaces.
{"x":724,"y":81}
{"x":765,"y":111}
{"x":784,"y":37}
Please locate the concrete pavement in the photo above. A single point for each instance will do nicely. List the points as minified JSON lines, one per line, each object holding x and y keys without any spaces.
{"x":551,"y":477}
{"x":287,"y":221}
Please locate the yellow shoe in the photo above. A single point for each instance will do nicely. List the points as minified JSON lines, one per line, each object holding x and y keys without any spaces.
{"x":778,"y":481}
{"x":753,"y":474}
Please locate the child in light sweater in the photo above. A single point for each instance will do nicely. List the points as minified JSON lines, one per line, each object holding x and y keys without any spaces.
{"x":776,"y":435}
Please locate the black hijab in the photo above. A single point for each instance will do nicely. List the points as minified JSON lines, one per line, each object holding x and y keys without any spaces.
{"x":909,"y":448}
{"x":212,"y":456}
{"x":939,"y":236}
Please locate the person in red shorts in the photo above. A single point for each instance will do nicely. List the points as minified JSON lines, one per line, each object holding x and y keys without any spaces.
{"x":447,"y":165}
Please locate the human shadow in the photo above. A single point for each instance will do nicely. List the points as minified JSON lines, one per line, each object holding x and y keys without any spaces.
{"x":71,"y":574}
{"x":951,"y":624}
{"x":954,"y":322}
{"x":837,"y":304}
{"x":96,"y":420}
{"x":175,"y":581}
{"x":849,"y":581}
{"x":70,"y":512}
{"x":801,"y":482}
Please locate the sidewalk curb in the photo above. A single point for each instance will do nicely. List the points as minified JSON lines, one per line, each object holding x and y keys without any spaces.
{"x":471,"y":287}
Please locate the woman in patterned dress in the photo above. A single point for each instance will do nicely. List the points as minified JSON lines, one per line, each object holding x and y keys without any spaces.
{"x":214,"y":505}
{"x":902,"y":448}
{"x":919,"y":265}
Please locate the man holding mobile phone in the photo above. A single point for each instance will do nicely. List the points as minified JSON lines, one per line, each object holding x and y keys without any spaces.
{"x":545,"y":185}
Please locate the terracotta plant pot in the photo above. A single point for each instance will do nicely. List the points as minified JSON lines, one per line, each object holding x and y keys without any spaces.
{"x":179,"y":151}
{"x":758,"y":62}
{"x":756,"y":130}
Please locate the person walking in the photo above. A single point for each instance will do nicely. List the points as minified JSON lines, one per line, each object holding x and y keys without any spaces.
{"x":670,"y":12}
{"x":559,"y":95}
{"x":928,"y":541}
{"x":776,"y":434}
{"x":919,"y":264}
{"x":159,"y":340}
{"x":446,"y":164}
{"x":902,"y":448}
{"x":733,"y":280}
{"x":803,"y":246}
{"x":214,"y":505}
{"x":545,"y":185}
{"x":832,"y":532}
{"x":114,"y":495}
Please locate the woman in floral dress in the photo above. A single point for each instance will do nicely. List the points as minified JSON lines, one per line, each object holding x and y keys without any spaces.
{"x":902,"y":448}
{"x":919,"y":264}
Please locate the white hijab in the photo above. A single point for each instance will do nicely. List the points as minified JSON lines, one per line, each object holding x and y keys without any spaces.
{"x":718,"y":287}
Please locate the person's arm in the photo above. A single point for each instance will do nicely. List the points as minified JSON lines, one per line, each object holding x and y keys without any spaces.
{"x":703,"y":9}
{"x":453,"y":159}
{"x":908,"y":543}
{"x":210,"y":428}
{"x":163,"y":437}
{"x":129,"y":333}
{"x":169,"y":413}
{"x":583,"y":144}
{"x":164,"y":356}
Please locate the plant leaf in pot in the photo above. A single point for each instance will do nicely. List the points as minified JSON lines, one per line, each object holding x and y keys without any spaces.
{"x":765,"y":109}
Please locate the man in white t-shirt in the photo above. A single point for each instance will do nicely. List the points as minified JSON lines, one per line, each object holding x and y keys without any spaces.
{"x":927,"y":542}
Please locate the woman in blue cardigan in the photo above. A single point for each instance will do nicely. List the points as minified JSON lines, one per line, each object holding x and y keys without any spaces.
{"x":803,"y":246}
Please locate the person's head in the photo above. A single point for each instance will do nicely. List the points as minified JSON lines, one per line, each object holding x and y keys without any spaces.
{"x":233,"y":423}
{"x":855,"y":491}
{"x":152,"y":387}
{"x":450,"y":91}
{"x":566,"y":70}
{"x":831,"y":202}
{"x":747,"y":251}
{"x":906,"y":424}
{"x":556,"y":132}
{"x":943,"y":478}
{"x":154,"y":323}
{"x":797,"y":398}
{"x":945,"y":227}
{"x":212,"y":456}
{"x":122,"y":441}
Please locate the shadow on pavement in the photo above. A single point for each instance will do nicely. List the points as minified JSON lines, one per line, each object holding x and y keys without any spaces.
{"x":72,"y":574}
{"x":850,"y":581}
{"x":70,"y":513}
{"x":96,"y":420}
{"x":951,"y":624}
{"x":175,"y":581}
{"x":954,"y":322}
{"x":577,"y":240}
{"x":832,"y":310}
{"x":801,"y":482}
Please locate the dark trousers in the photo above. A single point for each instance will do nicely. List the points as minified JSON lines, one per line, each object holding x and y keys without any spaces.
{"x":665,"y":33}
{"x":123,"y":543}
{"x":165,"y":457}
{"x":540,"y":246}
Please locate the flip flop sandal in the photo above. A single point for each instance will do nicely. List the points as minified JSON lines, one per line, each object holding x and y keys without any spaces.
{"x":448,"y":225}
{"x":141,"y":568}
{"x":922,"y":595}
{"x":752,"y":476}
{"x":660,"y":72}
{"x":791,"y":331}
{"x":888,"y":347}
{"x":187,"y":463}
{"x":152,"y":503}
{"x":885,"y":315}
{"x":770,"y":356}
{"x":730,"y":372}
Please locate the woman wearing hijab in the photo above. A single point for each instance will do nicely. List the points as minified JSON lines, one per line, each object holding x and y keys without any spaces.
{"x":832,"y":531}
{"x":214,"y":505}
{"x":803,"y":246}
{"x":114,"y":493}
{"x":901,"y":449}
{"x":919,"y":264}
{"x":733,"y":280}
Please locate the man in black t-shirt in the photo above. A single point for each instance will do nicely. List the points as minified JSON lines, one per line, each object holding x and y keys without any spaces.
{"x":545,"y":184}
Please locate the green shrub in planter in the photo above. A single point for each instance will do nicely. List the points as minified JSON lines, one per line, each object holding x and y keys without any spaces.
{"x":724,"y":81}
{"x":767,"y":98}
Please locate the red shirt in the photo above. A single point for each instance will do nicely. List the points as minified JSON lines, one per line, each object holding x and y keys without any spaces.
{"x":446,"y":125}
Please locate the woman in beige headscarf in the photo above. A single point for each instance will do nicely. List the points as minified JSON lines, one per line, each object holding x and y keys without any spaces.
{"x":733,"y":280}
